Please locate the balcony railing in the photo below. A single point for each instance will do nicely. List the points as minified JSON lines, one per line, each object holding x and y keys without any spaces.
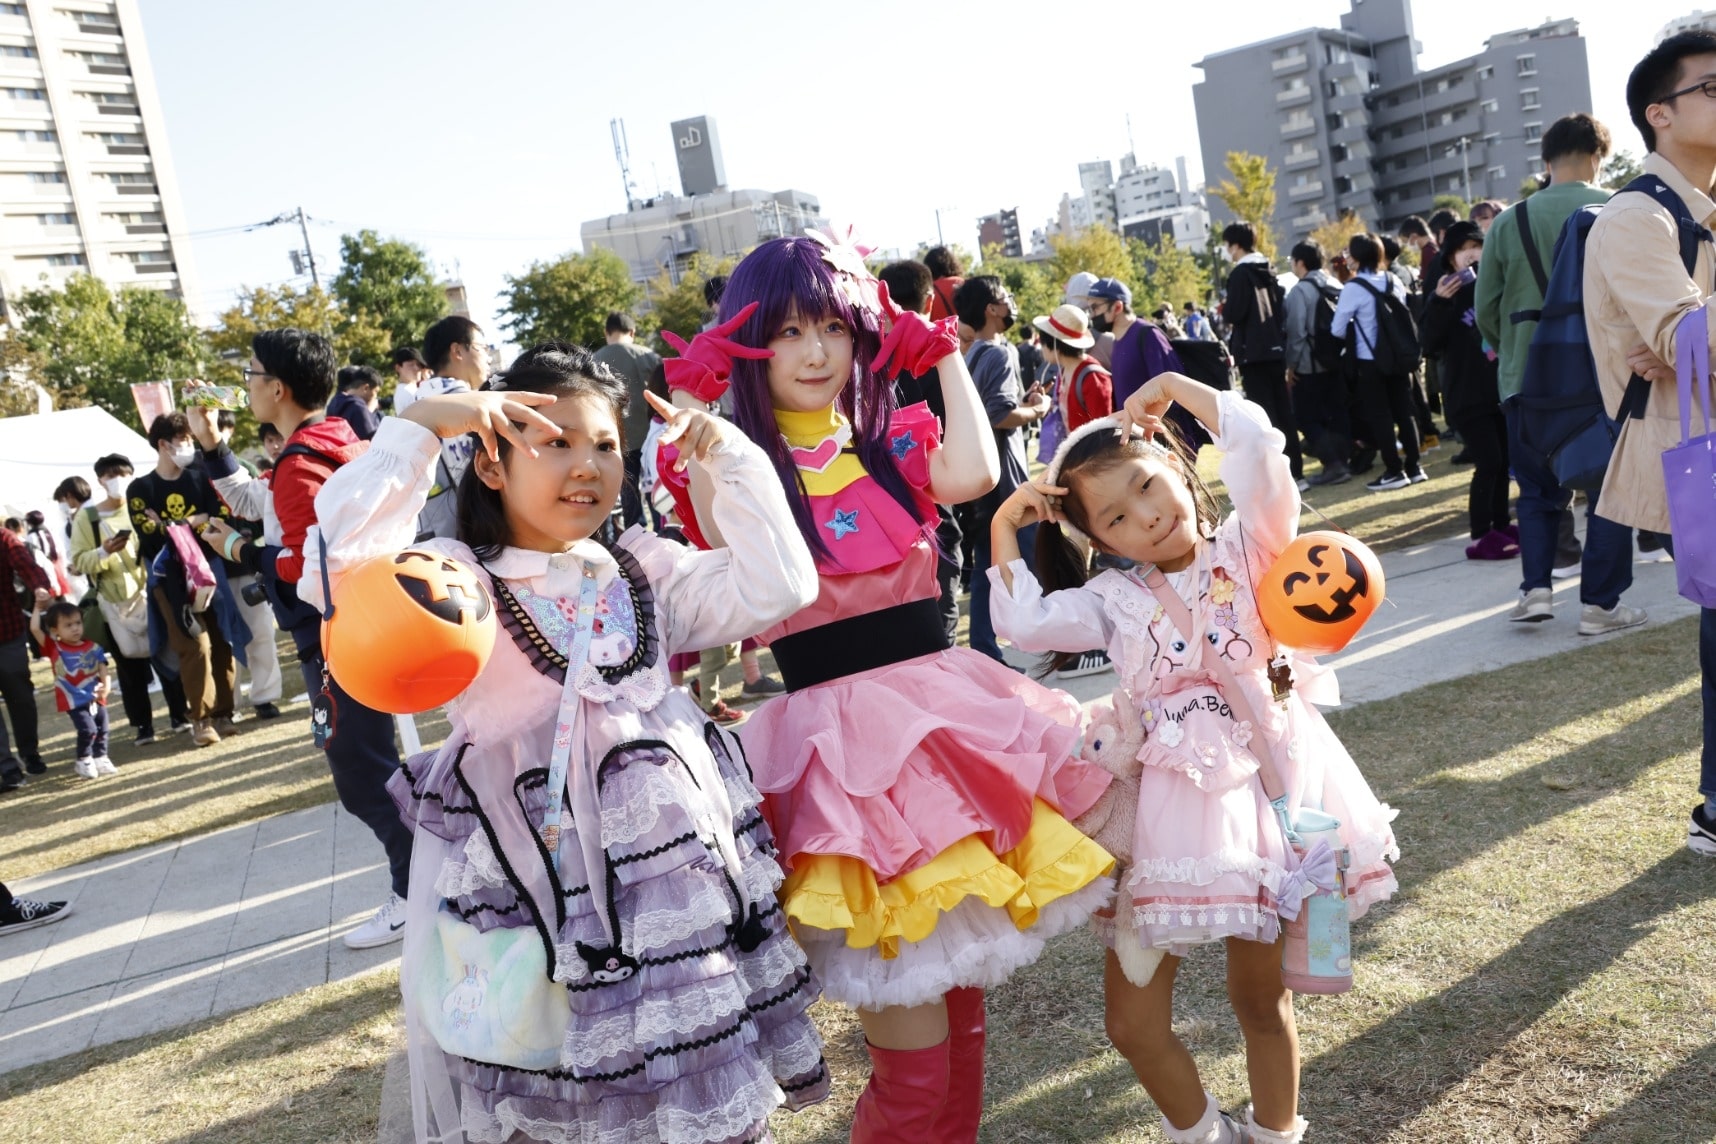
{"x":1287,"y":65}
{"x":1297,"y":128}
{"x":1292,"y":96}
{"x":1297,"y":159}
{"x":1301,"y":191}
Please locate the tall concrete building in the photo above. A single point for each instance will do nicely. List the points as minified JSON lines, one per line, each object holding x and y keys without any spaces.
{"x":1349,"y":122}
{"x":86,"y":182}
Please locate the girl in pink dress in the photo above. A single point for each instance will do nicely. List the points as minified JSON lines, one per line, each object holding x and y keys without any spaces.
{"x":919,"y":793}
{"x":1209,"y":858}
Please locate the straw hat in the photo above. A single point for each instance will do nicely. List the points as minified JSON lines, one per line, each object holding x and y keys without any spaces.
{"x":1067,"y":324}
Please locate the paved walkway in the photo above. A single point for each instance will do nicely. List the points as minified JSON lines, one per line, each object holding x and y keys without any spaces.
{"x":229,"y":920}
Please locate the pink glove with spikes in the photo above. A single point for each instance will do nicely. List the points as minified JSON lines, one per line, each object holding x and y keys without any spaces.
{"x":913,"y":343}
{"x":703,"y":368}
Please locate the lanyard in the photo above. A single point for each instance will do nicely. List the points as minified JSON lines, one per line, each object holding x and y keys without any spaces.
{"x":570,"y":704}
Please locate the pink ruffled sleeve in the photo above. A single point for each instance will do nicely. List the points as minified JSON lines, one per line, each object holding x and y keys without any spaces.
{"x":913,"y":435}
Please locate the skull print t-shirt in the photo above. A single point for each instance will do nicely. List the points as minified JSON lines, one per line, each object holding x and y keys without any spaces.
{"x":156,"y":502}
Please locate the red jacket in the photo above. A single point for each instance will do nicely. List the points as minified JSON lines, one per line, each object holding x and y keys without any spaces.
{"x":298,"y":477}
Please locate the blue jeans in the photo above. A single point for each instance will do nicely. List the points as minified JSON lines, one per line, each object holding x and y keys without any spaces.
{"x":90,"y":723}
{"x":1607,"y":568}
{"x":362,"y":757}
{"x":982,"y":634}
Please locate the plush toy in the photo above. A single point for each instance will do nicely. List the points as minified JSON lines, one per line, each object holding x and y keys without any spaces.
{"x":1113,"y":736}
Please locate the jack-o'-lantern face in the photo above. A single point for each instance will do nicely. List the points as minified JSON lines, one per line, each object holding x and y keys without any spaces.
{"x":444,"y":588}
{"x":1320,"y":591}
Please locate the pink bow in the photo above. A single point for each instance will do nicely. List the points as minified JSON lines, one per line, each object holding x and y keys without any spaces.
{"x":1317,"y":870}
{"x":704,"y":367}
{"x":913,"y":343}
{"x":1186,"y":678}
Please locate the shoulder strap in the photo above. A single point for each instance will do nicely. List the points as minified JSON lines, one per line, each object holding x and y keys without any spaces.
{"x":1078,"y":377}
{"x":1529,"y":241}
{"x":1691,"y":232}
{"x":299,"y":449}
{"x":1374,"y":292}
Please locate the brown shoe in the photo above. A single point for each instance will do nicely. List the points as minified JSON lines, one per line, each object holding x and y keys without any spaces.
{"x":203,"y":733}
{"x":724,"y":716}
{"x":223,"y":725}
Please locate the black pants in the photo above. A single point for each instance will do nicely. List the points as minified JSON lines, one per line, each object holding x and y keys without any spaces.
{"x":90,"y":723}
{"x":20,"y":697}
{"x":1265,"y":382}
{"x":948,"y":539}
{"x":134,"y":676}
{"x":1384,"y":403}
{"x":631,"y":499}
{"x":1321,"y":405}
{"x":1485,"y":438}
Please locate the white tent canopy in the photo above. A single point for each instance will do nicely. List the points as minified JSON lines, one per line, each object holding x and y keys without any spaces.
{"x":40,"y":451}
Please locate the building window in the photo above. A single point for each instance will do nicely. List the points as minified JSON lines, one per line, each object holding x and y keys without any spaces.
{"x":1492,"y":139}
{"x":1533,"y":132}
{"x":17,"y":52}
{"x":1336,"y":121}
{"x":12,"y":10}
{"x":36,"y":136}
{"x":1528,"y":99}
{"x":122,"y":178}
{"x":56,"y":219}
{"x":1338,"y":152}
{"x":135,"y":256}
{"x":109,"y":97}
{"x":63,"y":259}
{"x":47,"y":176}
{"x":114,"y":139}
{"x":1527,"y":65}
{"x":1343,"y":185}
{"x":1495,"y":174}
{"x":1489,"y":106}
{"x":1486,"y":72}
{"x":26,"y":93}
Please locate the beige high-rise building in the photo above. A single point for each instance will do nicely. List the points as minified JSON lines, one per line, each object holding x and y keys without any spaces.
{"x":86,"y":184}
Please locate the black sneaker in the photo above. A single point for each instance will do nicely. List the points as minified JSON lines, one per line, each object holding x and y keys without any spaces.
{"x":267,"y":711}
{"x":1090,"y":663}
{"x":11,"y":780}
{"x":1463,"y":457}
{"x":1418,"y":476}
{"x":1337,"y":476}
{"x":35,"y":766}
{"x":1701,"y":835}
{"x":765,"y":685}
{"x":180,"y":726}
{"x":144,"y":738}
{"x":27,"y":913}
{"x":1389,"y":481}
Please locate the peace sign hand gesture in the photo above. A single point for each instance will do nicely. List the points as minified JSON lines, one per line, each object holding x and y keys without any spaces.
{"x":692,"y":431}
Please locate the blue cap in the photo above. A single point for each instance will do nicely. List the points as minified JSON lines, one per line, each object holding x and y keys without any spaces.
{"x":1111,"y":290}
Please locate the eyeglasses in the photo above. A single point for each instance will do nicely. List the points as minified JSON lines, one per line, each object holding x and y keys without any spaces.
{"x":1708,"y":87}
{"x":252,"y":374}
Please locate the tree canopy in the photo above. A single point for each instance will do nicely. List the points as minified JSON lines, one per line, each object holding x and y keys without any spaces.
{"x":385,"y":284}
{"x":568,"y":298}
{"x":1249,"y":196}
{"x":680,"y":307}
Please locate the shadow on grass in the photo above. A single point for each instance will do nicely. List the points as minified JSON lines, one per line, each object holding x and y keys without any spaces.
{"x":1673,"y":1109}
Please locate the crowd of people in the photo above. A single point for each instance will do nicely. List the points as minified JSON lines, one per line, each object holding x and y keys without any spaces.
{"x":617,"y":903}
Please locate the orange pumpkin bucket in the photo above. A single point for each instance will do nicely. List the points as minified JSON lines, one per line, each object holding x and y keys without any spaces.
{"x":409,"y":632}
{"x":1319,"y":592}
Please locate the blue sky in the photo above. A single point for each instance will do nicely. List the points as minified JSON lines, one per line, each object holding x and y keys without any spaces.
{"x":480,"y":132}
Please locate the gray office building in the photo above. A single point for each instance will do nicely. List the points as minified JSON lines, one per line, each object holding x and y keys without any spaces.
{"x":1350,"y":123}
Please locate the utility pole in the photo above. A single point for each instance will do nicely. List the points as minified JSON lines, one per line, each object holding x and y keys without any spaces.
{"x":939,"y":241}
{"x":309,"y":254}
{"x":1466,"y":166}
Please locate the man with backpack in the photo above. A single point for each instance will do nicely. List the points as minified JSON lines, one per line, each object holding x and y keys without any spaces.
{"x":1650,"y":264}
{"x":1382,"y":346}
{"x":1518,"y":254}
{"x":290,"y":378}
{"x":1258,"y":336}
{"x":1313,"y":365}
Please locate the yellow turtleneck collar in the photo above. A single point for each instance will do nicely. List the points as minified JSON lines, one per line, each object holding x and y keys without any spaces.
{"x":809,"y":429}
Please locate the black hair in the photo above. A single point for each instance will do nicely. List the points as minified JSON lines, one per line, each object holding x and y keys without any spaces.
{"x":168,"y":426}
{"x":1240,"y":234}
{"x":72,"y":488}
{"x":110,"y":464}
{"x":1064,"y":349}
{"x":1060,"y":562}
{"x":1442,"y":220}
{"x":942,"y":262}
{"x":1390,"y":247}
{"x":1414,"y":227}
{"x":1366,"y":250}
{"x":13,"y":524}
{"x":352,"y":376}
{"x":1307,"y":252}
{"x":304,"y":363}
{"x":404,"y":354}
{"x":226,"y":419}
{"x":58,"y":611}
{"x":974,"y":297}
{"x":620,"y":322}
{"x":560,"y":368}
{"x":268,"y":429}
{"x":1576,"y":134}
{"x":453,"y":330}
{"x":1190,"y":305}
{"x":909,"y":283}
{"x":1660,"y":73}
{"x":713,"y":288}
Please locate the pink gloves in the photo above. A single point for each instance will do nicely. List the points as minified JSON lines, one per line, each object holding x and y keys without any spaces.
{"x":705,"y":366}
{"x":913,"y":343}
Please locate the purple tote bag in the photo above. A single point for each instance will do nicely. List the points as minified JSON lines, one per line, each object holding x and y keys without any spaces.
{"x":1689,"y":468}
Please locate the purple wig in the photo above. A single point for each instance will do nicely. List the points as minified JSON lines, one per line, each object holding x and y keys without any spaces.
{"x":787,"y":276}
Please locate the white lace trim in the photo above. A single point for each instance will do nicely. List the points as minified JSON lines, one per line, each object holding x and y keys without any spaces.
{"x":652,"y":1019}
{"x":748,"y":1106}
{"x":1203,"y":871}
{"x":640,"y":812}
{"x":1128,"y":608}
{"x":642,"y":689}
{"x":741,"y":793}
{"x":710,"y":905}
{"x":772,"y":965}
{"x":1211,"y":921}
{"x":763,"y":877}
{"x":479,"y":871}
{"x":798,"y":1056}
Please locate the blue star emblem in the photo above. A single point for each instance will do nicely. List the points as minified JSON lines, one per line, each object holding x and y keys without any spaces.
{"x":843,"y":523}
{"x":902,"y":445}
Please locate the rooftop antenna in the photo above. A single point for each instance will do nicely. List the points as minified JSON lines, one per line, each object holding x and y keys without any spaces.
{"x":1130,"y":146}
{"x":623,"y":155}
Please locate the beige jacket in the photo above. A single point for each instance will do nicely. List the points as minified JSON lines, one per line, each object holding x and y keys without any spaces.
{"x":1636,"y":290}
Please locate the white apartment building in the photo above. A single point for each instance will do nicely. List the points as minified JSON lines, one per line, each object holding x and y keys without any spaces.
{"x":86,"y":184}
{"x":1699,"y":21}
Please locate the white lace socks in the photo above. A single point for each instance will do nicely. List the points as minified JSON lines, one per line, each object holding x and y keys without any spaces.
{"x":1216,"y":1127}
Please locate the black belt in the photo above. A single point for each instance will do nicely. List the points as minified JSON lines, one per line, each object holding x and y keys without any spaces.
{"x":859,"y":643}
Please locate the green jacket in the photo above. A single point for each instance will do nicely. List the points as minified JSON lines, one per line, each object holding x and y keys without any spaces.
{"x":116,"y":577}
{"x":1505,"y":282}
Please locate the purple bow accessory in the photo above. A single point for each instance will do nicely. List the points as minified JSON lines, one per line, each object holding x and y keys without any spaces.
{"x":1318,"y":870}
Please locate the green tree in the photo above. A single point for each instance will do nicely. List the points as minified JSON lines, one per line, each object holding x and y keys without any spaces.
{"x":1250,"y":196}
{"x":385,"y":284}
{"x":1528,"y":186}
{"x":680,"y":308}
{"x":569,"y":298}
{"x":1164,"y":272}
{"x":1034,"y":292}
{"x":357,"y":339}
{"x":1622,"y":168}
{"x":1334,"y":235}
{"x":1454,"y":203}
{"x":86,"y":345}
{"x":1096,"y":249}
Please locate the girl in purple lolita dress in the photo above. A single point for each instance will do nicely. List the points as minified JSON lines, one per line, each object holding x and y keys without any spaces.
{"x":628,"y":978}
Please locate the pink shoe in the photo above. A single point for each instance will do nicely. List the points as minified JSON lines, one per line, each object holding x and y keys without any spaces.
{"x":1512,"y":531}
{"x":963,"y":1110}
{"x":904,"y":1097}
{"x":1493,"y":545}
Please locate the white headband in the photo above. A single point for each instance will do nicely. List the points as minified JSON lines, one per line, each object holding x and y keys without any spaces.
{"x":1111,"y":424}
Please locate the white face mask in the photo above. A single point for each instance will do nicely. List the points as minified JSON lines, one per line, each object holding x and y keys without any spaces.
{"x":65,"y":509}
{"x":115,"y":487}
{"x":183,"y":455}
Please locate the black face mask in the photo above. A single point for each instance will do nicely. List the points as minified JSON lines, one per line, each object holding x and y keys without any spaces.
{"x":1012,"y":316}
{"x":1101,"y":323}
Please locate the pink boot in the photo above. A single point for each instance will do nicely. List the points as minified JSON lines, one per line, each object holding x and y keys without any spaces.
{"x":904,"y":1097}
{"x":960,"y":1116}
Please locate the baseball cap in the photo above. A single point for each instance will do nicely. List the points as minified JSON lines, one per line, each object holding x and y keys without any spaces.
{"x":1110,"y":290}
{"x":1078,"y":286}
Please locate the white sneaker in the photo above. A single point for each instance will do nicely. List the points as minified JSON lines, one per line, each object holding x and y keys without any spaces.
{"x":1567,"y":571}
{"x":1534,"y":607}
{"x":104,"y":766}
{"x":1595,"y":621}
{"x":85,"y":769}
{"x":387,"y":925}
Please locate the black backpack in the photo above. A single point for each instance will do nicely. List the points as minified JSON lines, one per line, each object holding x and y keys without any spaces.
{"x":1326,"y":349}
{"x":1208,"y":362}
{"x":1397,"y":349}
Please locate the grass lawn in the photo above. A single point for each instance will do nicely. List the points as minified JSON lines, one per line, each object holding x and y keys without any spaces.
{"x":1543,"y":975}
